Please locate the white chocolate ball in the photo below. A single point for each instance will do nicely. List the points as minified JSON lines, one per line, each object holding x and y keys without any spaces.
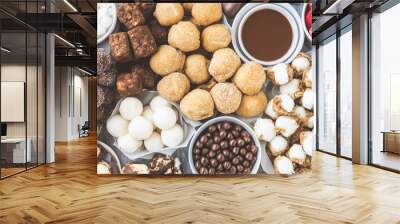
{"x":286,"y":125}
{"x":164,"y":117}
{"x":173,"y":136}
{"x":278,"y":145}
{"x":159,"y":101}
{"x":117,"y":126}
{"x":148,"y":114}
{"x":130,"y":107}
{"x":308,"y":99}
{"x":128,"y":144}
{"x":154,"y":143}
{"x":140,"y":128}
{"x":265,"y":129}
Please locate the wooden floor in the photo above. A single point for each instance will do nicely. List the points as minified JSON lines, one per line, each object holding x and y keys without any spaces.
{"x":69,"y":191}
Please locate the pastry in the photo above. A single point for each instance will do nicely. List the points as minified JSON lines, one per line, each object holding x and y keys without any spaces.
{"x":167,"y":60}
{"x":142,"y":42}
{"x":224,"y":64}
{"x":168,"y":14}
{"x":129,"y":84}
{"x":197,"y":105}
{"x":252,"y":105}
{"x":205,"y":14}
{"x":196,"y":68}
{"x":130,"y":15}
{"x":227,"y":97}
{"x":250,"y":78}
{"x":119,"y":47}
{"x":215,"y":37}
{"x":173,"y":86}
{"x":185,"y":36}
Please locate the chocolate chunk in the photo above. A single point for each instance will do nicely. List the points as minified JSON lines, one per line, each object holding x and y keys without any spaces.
{"x":103,"y":61}
{"x":147,"y":76}
{"x":129,"y":84}
{"x":160,"y":33}
{"x":130,"y":15}
{"x":231,"y":9}
{"x":119,"y":45}
{"x":107,"y":78}
{"x":142,"y":41}
{"x":146,"y":8}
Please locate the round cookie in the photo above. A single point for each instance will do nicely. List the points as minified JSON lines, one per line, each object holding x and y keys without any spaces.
{"x":250,"y":78}
{"x":252,"y":106}
{"x":185,"y":36}
{"x":224,"y":64}
{"x":167,"y":60}
{"x":215,"y":37}
{"x":197,"y":105}
{"x":227,"y":97}
{"x":196,"y":68}
{"x":168,"y":14}
{"x":173,"y":86}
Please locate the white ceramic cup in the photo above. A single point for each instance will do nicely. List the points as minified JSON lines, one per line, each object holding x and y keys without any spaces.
{"x":293,"y":21}
{"x":221,"y":119}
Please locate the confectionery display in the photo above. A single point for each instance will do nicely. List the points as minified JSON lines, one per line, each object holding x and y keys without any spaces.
{"x":180,"y":92}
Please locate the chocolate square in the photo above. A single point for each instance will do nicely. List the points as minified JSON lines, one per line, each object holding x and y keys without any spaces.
{"x":119,"y":45}
{"x":130,"y":15}
{"x":142,"y":41}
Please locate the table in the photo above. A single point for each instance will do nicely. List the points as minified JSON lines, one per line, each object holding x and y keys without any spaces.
{"x":17,"y":150}
{"x":391,"y":141}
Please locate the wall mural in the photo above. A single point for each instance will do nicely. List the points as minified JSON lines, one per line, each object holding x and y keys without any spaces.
{"x":204,"y":88}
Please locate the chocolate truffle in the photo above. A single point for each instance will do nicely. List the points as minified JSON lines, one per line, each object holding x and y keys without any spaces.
{"x":119,"y":46}
{"x":147,"y":76}
{"x":160,"y":33}
{"x":130,"y":15}
{"x":129,"y":84}
{"x":142,"y":41}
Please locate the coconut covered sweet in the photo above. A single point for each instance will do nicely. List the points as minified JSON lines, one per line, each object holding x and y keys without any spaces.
{"x":250,"y":78}
{"x":117,"y":126}
{"x":165,"y":118}
{"x":159,"y":101}
{"x":140,"y":128}
{"x":173,"y":136}
{"x":128,"y":144}
{"x":185,"y":36}
{"x":224,"y":64}
{"x":227,"y":97}
{"x":167,"y":60}
{"x":154,"y":143}
{"x":130,"y":107}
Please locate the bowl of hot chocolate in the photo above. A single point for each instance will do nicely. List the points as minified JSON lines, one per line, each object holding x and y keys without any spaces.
{"x":268,"y":34}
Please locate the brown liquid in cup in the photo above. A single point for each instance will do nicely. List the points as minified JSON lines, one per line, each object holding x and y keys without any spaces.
{"x":267,"y":35}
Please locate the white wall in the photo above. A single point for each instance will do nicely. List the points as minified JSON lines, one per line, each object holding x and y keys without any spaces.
{"x":69,"y":82}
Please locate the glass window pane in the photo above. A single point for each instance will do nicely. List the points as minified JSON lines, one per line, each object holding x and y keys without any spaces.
{"x":385,"y":89}
{"x":327,"y":97}
{"x":346,"y":94}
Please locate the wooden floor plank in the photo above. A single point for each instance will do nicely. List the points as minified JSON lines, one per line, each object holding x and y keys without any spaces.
{"x":69,"y":191}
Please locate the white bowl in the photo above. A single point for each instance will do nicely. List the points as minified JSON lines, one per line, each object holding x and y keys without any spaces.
{"x":290,"y":19}
{"x":303,"y":22}
{"x":113,"y":24}
{"x":217,"y":120}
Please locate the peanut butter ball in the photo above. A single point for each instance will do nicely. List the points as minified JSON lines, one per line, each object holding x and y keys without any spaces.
{"x":252,"y":106}
{"x":250,"y":78}
{"x":197,"y":105}
{"x":224,"y":64}
{"x":227,"y":97}
{"x":196,"y":68}
{"x":168,"y":14}
{"x":188,"y":6}
{"x":167,"y":60}
{"x":205,"y":14}
{"x":215,"y":37}
{"x":185,"y":36}
{"x":173,"y":86}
